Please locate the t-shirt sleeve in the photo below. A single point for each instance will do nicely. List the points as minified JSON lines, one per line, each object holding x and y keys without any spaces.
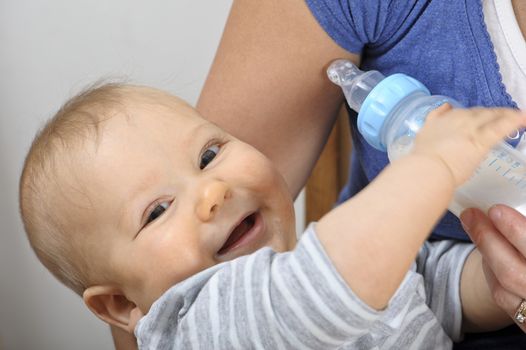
{"x":441,"y":264}
{"x":354,"y":24}
{"x":293,"y":300}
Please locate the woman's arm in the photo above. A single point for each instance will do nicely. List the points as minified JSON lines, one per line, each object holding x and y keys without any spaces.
{"x":268,"y":86}
{"x":122,"y":339}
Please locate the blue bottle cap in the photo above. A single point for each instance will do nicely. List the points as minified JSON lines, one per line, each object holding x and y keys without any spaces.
{"x":381,"y":101}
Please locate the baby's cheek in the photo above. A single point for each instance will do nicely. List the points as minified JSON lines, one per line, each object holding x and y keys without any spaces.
{"x":255,"y":172}
{"x":179,"y":269}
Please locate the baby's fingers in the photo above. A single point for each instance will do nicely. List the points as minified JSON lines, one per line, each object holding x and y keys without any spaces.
{"x":441,"y":110}
{"x":498,"y":123}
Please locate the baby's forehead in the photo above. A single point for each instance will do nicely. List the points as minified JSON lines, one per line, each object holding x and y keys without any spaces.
{"x":144,"y":119}
{"x":143,"y":106}
{"x":134,"y":137}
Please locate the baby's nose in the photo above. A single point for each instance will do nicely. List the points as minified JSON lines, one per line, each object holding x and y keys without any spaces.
{"x":213,"y":196}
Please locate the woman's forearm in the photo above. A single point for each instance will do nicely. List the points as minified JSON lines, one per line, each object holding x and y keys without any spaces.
{"x":122,"y":339}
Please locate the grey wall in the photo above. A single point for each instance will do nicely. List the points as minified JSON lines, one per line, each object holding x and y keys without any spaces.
{"x":49,"y":50}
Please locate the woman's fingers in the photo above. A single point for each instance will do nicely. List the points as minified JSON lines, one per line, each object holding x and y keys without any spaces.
{"x":501,"y":256}
{"x":499,"y":238}
{"x":507,"y":301}
{"x":511,"y":224}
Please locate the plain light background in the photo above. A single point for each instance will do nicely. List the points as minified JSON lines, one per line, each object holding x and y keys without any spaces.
{"x":50,"y":50}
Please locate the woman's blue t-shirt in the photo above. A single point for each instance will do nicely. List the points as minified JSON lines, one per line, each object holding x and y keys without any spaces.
{"x":442,"y":43}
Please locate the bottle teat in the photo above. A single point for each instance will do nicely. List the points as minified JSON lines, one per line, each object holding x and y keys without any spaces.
{"x":355,"y":83}
{"x":343,"y":72}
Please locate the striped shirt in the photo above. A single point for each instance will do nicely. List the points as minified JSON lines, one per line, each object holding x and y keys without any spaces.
{"x":297,"y":300}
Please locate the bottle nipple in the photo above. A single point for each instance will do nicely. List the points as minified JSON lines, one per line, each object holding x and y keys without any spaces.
{"x":343,"y":72}
{"x":355,"y":83}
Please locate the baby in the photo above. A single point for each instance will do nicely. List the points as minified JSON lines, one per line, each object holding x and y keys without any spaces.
{"x":142,"y":207}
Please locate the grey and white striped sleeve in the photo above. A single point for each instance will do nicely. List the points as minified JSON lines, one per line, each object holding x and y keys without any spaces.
{"x":268,"y":300}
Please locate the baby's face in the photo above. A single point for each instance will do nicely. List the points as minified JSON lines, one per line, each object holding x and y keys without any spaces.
{"x":173,"y":195}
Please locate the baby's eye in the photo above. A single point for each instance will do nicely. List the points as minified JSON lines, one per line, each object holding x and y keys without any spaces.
{"x":208,"y":155}
{"x":157,"y":211}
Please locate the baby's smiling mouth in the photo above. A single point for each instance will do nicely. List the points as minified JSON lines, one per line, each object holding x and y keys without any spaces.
{"x":239,"y":233}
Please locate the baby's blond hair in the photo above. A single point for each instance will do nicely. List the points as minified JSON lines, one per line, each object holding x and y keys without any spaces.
{"x":54,"y":150}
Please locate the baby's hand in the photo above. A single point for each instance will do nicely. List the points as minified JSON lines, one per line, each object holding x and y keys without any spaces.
{"x":461,"y":138}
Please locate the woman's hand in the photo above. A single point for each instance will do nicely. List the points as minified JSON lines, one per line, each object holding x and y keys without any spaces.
{"x":501,"y":239}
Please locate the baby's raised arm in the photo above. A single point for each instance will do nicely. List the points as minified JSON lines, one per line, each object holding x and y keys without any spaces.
{"x":373,"y":239}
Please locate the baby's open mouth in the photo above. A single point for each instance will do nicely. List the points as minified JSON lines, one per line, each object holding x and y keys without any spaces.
{"x":238,"y":233}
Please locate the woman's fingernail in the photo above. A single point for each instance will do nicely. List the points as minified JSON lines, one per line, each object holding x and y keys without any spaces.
{"x":495,"y":213}
{"x":466,"y":218}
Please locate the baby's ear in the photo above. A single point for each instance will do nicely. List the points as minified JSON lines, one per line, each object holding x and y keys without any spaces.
{"x":110,"y":305}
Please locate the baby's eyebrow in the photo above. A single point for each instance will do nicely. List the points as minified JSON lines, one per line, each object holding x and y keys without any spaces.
{"x":199,"y":129}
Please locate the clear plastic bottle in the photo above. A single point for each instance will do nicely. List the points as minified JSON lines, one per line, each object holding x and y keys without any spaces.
{"x":393,"y":109}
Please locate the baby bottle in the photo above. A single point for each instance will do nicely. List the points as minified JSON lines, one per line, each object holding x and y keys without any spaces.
{"x":392,"y":109}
